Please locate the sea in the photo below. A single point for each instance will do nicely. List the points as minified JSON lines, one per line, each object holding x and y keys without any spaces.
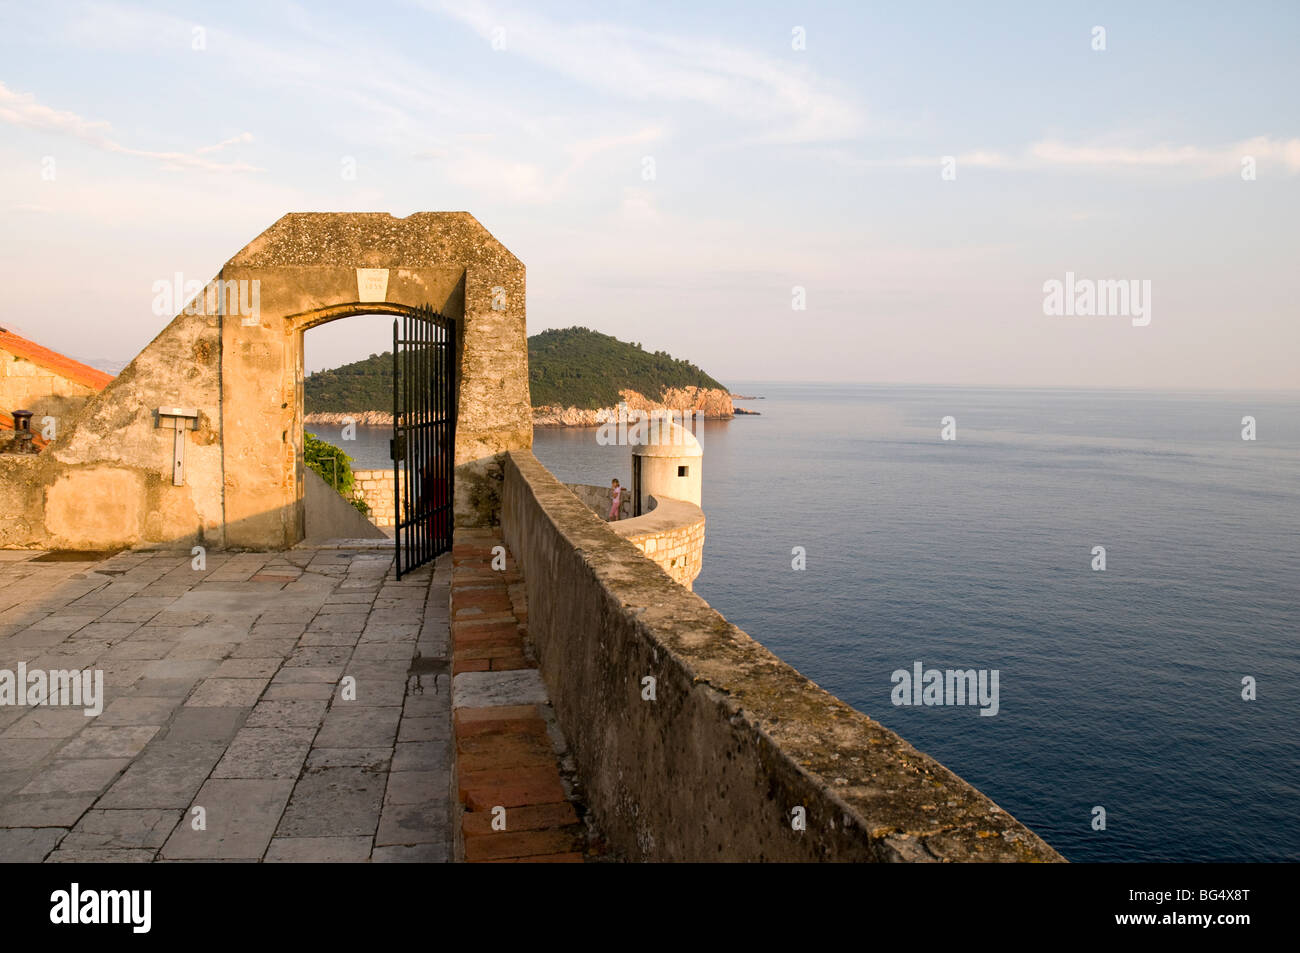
{"x":1148,"y":710}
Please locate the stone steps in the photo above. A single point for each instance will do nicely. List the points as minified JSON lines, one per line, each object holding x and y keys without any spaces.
{"x":519,"y":806}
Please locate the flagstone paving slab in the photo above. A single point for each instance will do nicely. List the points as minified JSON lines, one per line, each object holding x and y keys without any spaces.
{"x":276,"y":752}
{"x":105,"y":856}
{"x":43,"y":811}
{"x":28,"y":844}
{"x":166,"y":775}
{"x":122,"y":829}
{"x":334,"y":801}
{"x":299,"y":850}
{"x":75,"y":776}
{"x":237,"y":820}
{"x":108,"y":741}
{"x":138,"y":710}
{"x":206,"y":724}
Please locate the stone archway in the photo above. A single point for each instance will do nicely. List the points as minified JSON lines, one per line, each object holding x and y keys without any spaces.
{"x":322,"y":519}
{"x":235,"y":361}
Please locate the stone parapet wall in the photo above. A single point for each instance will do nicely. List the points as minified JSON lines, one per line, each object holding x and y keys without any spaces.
{"x":671,"y":534}
{"x":693,"y":741}
{"x":106,"y":481}
{"x":22,"y":500}
{"x":598,"y":499}
{"x":376,"y":488}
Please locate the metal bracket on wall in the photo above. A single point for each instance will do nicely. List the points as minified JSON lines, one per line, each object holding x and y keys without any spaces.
{"x":179,"y":419}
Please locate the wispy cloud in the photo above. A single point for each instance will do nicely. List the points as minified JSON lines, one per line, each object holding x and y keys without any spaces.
{"x":511,"y":179}
{"x":585,"y":149}
{"x":1198,"y":161}
{"x":22,"y":109}
{"x":474,"y":139}
{"x":787,"y":102}
{"x":473,"y":166}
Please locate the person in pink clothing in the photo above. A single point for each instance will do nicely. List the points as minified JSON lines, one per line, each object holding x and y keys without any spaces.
{"x":616,"y":498}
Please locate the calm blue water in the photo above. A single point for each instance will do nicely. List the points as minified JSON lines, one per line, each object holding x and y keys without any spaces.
{"x":368,"y":450}
{"x":1118,"y":688}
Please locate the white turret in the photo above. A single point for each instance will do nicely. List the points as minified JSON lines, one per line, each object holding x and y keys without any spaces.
{"x":666,"y":462}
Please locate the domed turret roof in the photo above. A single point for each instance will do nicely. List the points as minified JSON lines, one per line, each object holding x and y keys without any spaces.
{"x":665,"y":438}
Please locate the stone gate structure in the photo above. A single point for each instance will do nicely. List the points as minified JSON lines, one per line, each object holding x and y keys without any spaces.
{"x":231,"y":366}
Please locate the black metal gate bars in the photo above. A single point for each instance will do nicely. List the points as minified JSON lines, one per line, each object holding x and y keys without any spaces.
{"x":424,"y":438}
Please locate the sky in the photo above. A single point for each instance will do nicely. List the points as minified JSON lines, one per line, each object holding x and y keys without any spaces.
{"x":686,"y":175}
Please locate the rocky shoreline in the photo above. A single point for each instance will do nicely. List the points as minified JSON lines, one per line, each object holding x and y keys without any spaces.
{"x":709,"y":403}
{"x":365,"y":418}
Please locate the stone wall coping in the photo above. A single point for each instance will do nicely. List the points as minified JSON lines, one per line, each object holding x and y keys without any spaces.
{"x":668,"y":515}
{"x":379,"y":239}
{"x":896,"y":803}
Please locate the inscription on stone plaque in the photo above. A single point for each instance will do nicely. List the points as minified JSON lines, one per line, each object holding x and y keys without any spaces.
{"x":372,"y":284}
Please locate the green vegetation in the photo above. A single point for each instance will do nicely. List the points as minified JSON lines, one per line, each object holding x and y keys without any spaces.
{"x":573,"y":367}
{"x":577,"y":367}
{"x":321,"y":457}
{"x":352,"y":388}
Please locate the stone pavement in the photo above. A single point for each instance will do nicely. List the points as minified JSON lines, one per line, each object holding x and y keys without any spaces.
{"x":300,"y":699}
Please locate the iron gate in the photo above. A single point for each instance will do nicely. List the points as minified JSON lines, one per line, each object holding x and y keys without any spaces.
{"x":424,"y":436}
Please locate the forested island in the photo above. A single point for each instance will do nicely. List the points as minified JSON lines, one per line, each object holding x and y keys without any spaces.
{"x":575,"y":375}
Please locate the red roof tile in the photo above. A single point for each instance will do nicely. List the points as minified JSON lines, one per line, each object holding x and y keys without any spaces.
{"x":64,"y":366}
